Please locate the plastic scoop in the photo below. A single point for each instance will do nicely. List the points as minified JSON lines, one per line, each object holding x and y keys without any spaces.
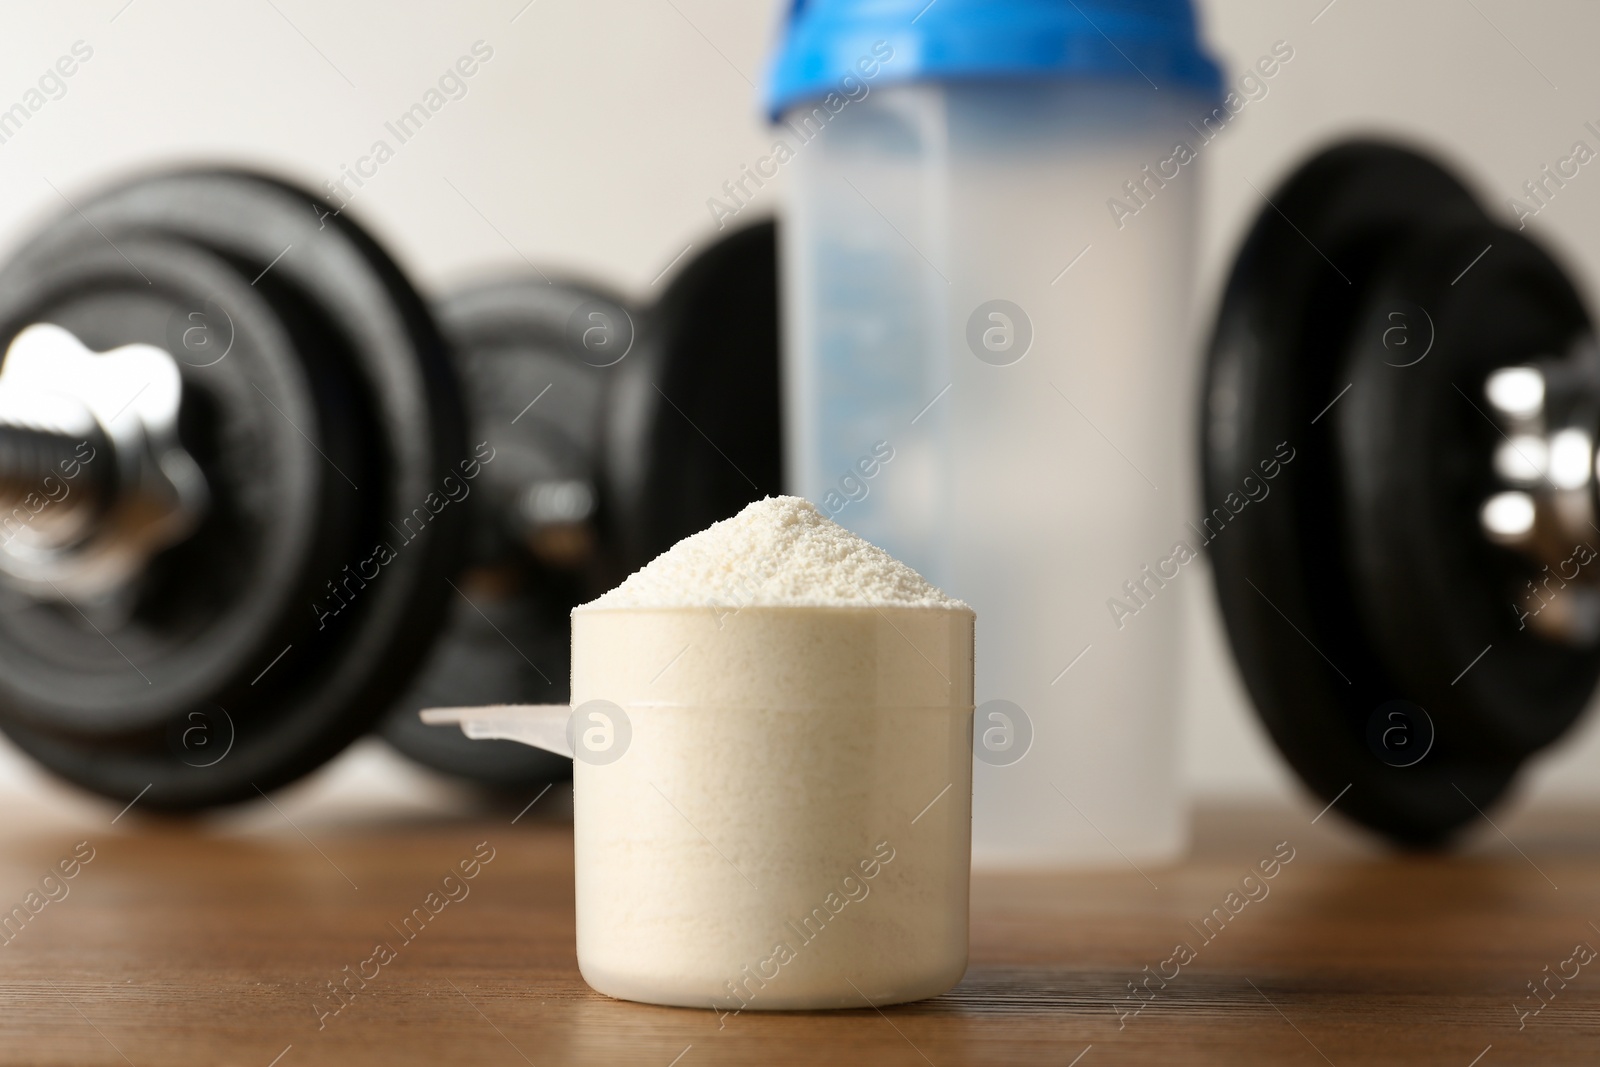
{"x":539,"y":725}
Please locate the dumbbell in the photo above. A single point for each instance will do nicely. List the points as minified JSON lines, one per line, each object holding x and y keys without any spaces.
{"x":247,"y":483}
{"x":664,"y":421}
{"x":1411,"y":606}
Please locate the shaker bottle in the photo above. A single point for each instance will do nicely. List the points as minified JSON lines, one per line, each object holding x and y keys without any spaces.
{"x":987,"y":255}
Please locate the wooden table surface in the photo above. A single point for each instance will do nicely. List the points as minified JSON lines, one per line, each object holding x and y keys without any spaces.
{"x":207,"y":944}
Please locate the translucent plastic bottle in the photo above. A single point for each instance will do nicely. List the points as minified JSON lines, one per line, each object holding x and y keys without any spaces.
{"x":987,"y":260}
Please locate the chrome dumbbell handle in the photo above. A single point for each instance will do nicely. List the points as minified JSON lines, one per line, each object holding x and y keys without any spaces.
{"x":36,"y":458}
{"x":93,"y":479}
{"x":1548,"y":505}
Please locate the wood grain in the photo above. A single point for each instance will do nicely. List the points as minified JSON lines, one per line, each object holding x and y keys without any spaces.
{"x":189,"y":944}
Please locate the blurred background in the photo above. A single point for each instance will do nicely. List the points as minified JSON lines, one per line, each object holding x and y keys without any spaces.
{"x":594,"y":134}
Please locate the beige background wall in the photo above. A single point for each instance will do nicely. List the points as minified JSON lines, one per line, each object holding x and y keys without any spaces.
{"x":593,"y":136}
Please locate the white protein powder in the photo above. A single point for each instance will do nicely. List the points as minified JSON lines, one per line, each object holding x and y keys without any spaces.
{"x":780,"y":551}
{"x":800,"y":706}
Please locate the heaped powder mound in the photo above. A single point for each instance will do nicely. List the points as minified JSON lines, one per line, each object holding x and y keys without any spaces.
{"x":777,"y":812}
{"x":777,"y":552}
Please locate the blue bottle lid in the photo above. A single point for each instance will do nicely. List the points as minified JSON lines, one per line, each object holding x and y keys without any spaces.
{"x":1147,"y":41}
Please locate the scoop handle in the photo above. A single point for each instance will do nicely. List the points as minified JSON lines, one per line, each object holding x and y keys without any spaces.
{"x":539,"y":725}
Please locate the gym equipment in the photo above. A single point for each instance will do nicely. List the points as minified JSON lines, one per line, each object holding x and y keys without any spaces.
{"x":316,"y":400}
{"x":248,"y":479}
{"x":656,"y":423}
{"x":532,"y":549}
{"x":1412,"y":606}
{"x":211,"y":584}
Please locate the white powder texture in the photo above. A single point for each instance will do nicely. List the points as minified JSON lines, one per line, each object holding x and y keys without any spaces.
{"x":777,"y":552}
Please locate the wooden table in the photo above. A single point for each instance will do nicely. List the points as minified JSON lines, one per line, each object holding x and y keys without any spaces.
{"x":201,"y":943}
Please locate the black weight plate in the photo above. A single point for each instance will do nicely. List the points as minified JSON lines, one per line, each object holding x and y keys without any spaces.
{"x":1416,"y":453}
{"x":533,"y":390}
{"x":177,"y":637}
{"x":378,"y":401}
{"x":1318,"y":675}
{"x":694,"y":429}
{"x":499,"y":649}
